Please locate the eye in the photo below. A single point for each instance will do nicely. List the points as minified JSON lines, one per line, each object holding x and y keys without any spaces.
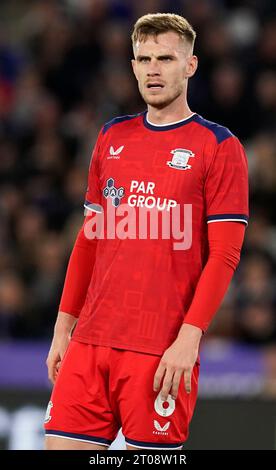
{"x":144,"y":60}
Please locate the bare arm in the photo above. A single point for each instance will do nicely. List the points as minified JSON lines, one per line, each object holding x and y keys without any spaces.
{"x":62,"y":335}
{"x":178,"y":360}
{"x":76,"y":283}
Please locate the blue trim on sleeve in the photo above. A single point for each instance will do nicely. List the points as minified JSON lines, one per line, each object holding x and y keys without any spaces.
{"x":119,"y":119}
{"x":228,"y":218}
{"x":93,"y":207}
{"x":100,"y":440}
{"x":222,"y":133}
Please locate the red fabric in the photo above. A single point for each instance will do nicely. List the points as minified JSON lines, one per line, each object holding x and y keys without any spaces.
{"x":78,"y":274}
{"x":226,"y":182}
{"x":141,"y":289}
{"x":225,"y":242}
{"x":99,"y":389}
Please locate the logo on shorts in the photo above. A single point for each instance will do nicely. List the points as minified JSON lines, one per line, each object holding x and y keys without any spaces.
{"x":48,"y":416}
{"x":164,"y":407}
{"x":161,"y":430}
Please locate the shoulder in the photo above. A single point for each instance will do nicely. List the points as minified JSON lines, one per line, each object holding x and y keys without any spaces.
{"x":126,"y":120}
{"x":220,"y":132}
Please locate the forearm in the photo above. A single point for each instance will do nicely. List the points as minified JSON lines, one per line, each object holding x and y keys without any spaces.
{"x":225,"y":241}
{"x":78,"y":275}
{"x":64,"y":323}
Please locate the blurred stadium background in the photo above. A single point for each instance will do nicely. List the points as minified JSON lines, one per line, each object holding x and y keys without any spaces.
{"x":64,"y":71}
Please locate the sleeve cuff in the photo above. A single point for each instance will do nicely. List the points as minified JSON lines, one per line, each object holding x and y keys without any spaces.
{"x":93,"y":207}
{"x":227,"y":218}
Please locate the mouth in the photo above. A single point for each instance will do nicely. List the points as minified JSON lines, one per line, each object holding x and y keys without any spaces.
{"x":155,"y":86}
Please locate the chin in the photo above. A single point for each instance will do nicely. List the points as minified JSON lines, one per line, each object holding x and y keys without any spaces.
{"x":160,"y":104}
{"x":156,"y":101}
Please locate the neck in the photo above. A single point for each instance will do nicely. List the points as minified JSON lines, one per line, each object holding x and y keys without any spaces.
{"x":171,"y":113}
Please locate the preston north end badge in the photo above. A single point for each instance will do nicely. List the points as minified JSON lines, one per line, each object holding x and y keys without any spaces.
{"x":180,"y":159}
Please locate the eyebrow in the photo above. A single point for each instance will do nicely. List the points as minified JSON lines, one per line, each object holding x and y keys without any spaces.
{"x":163,"y":56}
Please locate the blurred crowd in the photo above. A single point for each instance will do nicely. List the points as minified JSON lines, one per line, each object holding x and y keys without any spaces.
{"x":64,"y":71}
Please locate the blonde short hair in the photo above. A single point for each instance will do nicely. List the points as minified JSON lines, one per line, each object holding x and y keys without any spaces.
{"x":153,"y":24}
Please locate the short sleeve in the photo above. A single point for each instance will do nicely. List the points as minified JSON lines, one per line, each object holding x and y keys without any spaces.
{"x":226,"y":184}
{"x":93,"y":193}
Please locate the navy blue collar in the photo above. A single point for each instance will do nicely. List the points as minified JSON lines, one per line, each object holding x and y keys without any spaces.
{"x":156,"y":127}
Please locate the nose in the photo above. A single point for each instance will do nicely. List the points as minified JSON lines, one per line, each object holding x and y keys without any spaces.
{"x":154,"y":68}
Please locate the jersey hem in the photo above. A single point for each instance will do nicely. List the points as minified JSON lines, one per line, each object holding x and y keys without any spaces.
{"x":115,"y":344}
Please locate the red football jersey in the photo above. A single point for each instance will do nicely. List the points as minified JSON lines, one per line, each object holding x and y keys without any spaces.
{"x":142,"y":286}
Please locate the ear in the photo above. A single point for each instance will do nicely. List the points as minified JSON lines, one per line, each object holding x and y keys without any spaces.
{"x":133,"y":63}
{"x":191,"y":66}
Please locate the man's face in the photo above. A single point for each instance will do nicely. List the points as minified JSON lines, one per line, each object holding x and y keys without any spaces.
{"x":162,"y":65}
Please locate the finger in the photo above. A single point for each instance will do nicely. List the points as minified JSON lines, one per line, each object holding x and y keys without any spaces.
{"x":56,"y":369}
{"x":167,"y":384}
{"x":52,"y":371}
{"x":51,"y":375}
{"x":175,"y":385}
{"x":158,"y":376}
{"x":188,"y":380}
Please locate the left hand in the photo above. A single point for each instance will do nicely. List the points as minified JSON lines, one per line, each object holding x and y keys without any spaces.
{"x":178,"y":359}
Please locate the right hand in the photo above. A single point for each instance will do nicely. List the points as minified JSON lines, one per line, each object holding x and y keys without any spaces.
{"x":55,"y":355}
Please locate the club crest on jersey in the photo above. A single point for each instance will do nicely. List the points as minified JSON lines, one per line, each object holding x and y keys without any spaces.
{"x":114,"y":193}
{"x":180,"y":159}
